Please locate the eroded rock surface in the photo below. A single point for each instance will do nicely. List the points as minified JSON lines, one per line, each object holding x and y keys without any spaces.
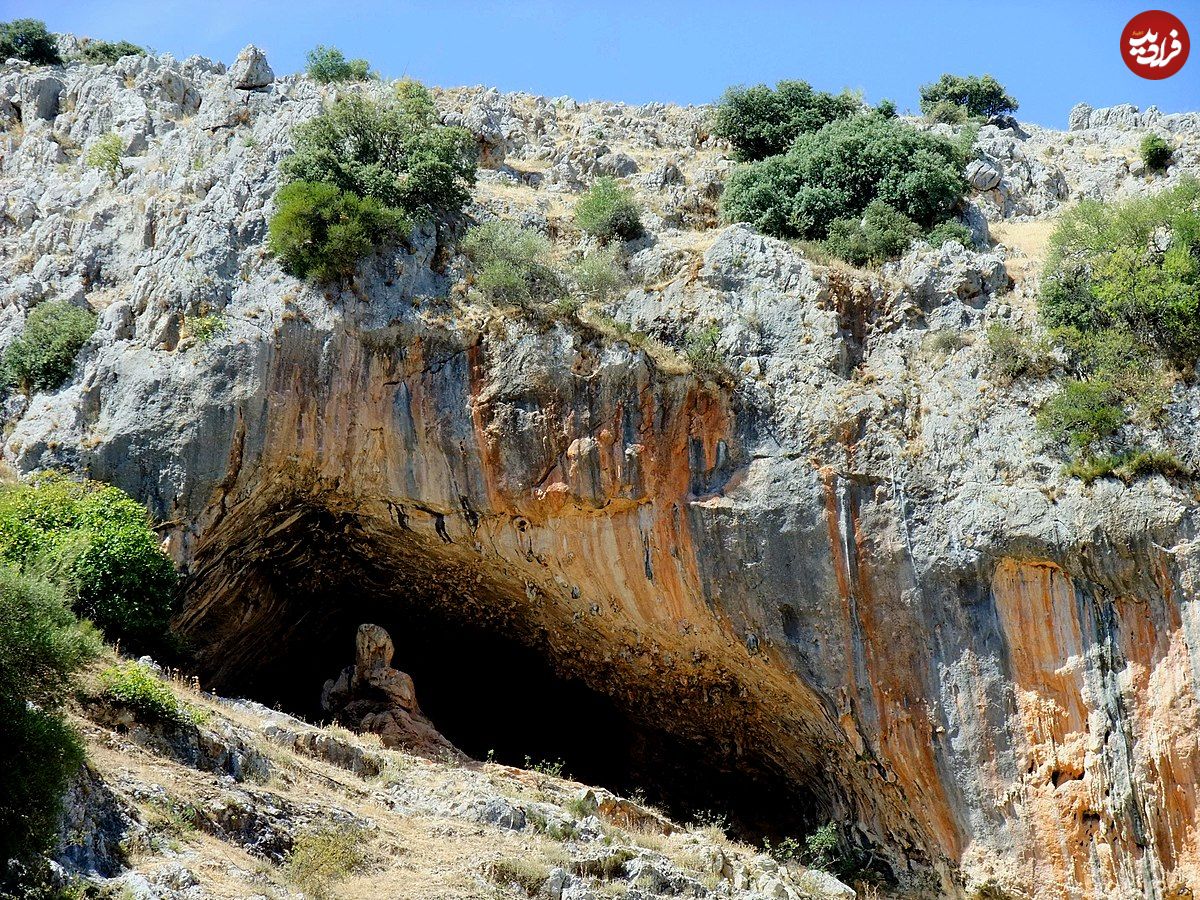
{"x":372,"y":696}
{"x":854,"y":564}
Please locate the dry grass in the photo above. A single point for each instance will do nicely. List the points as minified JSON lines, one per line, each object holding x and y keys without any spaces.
{"x":1029,"y":239}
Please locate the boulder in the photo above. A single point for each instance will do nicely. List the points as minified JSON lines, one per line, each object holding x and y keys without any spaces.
{"x":251,"y":71}
{"x":39,"y":97}
{"x":983,"y":175}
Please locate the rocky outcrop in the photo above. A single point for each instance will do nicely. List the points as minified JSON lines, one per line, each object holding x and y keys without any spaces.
{"x":371,"y":696}
{"x":849,"y":566}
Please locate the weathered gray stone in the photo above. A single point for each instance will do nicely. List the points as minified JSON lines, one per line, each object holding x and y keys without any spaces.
{"x":251,"y":71}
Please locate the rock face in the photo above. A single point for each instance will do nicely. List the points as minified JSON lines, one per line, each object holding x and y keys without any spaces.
{"x":851,"y":564}
{"x":372,"y":696}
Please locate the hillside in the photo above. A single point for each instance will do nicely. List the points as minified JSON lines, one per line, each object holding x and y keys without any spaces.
{"x":760,"y":533}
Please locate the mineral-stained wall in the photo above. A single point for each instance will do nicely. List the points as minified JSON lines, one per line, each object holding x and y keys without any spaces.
{"x":852,"y":564}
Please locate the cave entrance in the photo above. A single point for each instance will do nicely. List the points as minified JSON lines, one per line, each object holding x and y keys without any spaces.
{"x":489,"y":684}
{"x":493,"y":697}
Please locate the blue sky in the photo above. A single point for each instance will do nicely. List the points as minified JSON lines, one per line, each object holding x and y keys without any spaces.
{"x":1049,"y":54}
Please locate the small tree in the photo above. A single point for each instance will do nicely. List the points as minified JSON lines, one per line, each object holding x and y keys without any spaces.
{"x":609,"y":211}
{"x":1156,"y":153}
{"x":327,"y":65}
{"x":29,"y":40}
{"x":42,"y":357}
{"x":979,"y":95}
{"x":98,"y":52}
{"x":105,"y":154}
{"x":761,"y":122}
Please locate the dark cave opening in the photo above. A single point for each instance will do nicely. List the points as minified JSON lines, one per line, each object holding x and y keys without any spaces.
{"x":489,"y":683}
{"x":493,"y":697}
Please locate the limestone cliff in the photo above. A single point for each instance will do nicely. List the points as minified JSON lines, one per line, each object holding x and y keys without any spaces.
{"x":852,"y":569}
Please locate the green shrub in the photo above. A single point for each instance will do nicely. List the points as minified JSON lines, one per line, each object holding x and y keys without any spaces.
{"x":1155,"y":152}
{"x":204,"y":328}
{"x":599,"y":275}
{"x":703,"y":353}
{"x":42,"y":646}
{"x":327,"y":65}
{"x":822,"y":848}
{"x":362,"y":173}
{"x":29,"y":40}
{"x":94,"y":51}
{"x":42,"y":357}
{"x":320,"y":858}
{"x":510,"y":264}
{"x":947,"y":231}
{"x":881,"y":233}
{"x":887,"y":109}
{"x":609,"y":211}
{"x":137,"y":688}
{"x":392,"y":151}
{"x":321,"y":232}
{"x":946,"y":112}
{"x":95,"y":542}
{"x":1083,"y":413}
{"x":1128,"y":466}
{"x":1012,"y":355}
{"x":1133,"y":266}
{"x":106,"y":154}
{"x":836,"y":172}
{"x":978,"y":95}
{"x":761,"y":122}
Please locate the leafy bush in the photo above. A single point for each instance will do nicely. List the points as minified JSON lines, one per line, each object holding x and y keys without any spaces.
{"x":322,"y":857}
{"x":599,"y":275}
{"x":509,"y":264}
{"x":887,"y":109}
{"x":393,"y":151}
{"x":323,"y":232}
{"x":880,"y":234}
{"x":108,"y":51}
{"x":136,"y":687}
{"x":1083,"y":413}
{"x":979,"y":95}
{"x":388,"y":164}
{"x":836,"y":172}
{"x":946,"y":112}
{"x":42,"y":357}
{"x":1012,"y":355}
{"x":609,"y":211}
{"x":106,"y":154}
{"x":761,"y":122}
{"x":94,"y":541}
{"x":947,"y":231}
{"x":1155,"y":152}
{"x":327,"y":65}
{"x":29,"y":40}
{"x":42,"y":646}
{"x":1133,"y":266}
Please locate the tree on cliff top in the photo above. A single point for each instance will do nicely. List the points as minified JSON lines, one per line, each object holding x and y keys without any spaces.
{"x":29,"y":40}
{"x":979,"y":95}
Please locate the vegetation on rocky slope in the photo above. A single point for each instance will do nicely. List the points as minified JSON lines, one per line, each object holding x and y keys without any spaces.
{"x":365,"y":171}
{"x":1121,"y":297}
